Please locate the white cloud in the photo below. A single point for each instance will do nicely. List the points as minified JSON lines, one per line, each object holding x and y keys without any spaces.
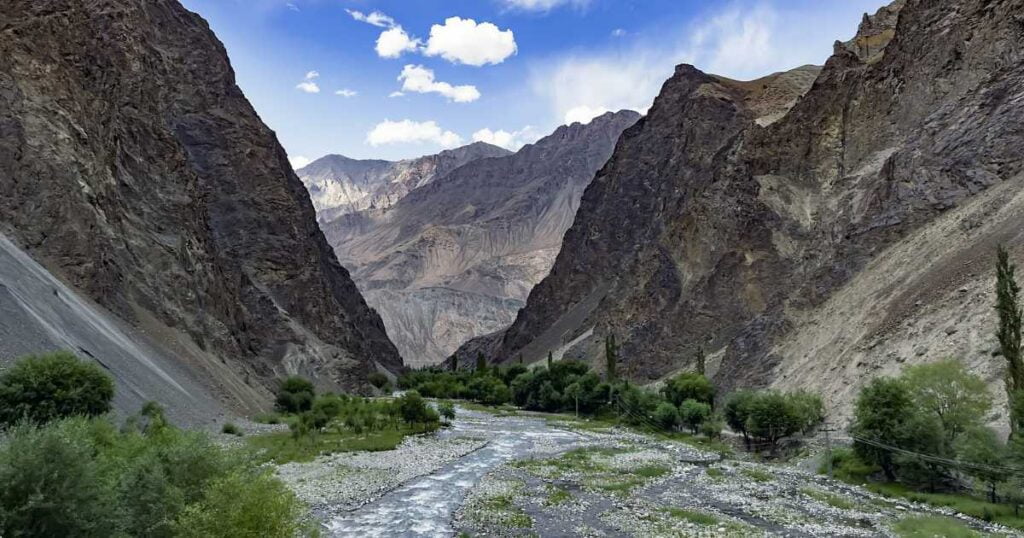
{"x":618,"y":32}
{"x":542,"y":5}
{"x":419,"y":79}
{"x":291,"y":6}
{"x":308,"y":85}
{"x":375,"y":18}
{"x":510,"y":141}
{"x":583,"y":114}
{"x":345,"y":92}
{"x":411,"y":132}
{"x":746,"y":39}
{"x":299,"y":161}
{"x":396,"y":94}
{"x":394,"y":42}
{"x":464,"y":41}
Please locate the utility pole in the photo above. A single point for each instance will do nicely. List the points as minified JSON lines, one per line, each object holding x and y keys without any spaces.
{"x":828,"y":447}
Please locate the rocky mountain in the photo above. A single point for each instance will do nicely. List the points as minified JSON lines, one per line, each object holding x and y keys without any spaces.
{"x":850,"y":236}
{"x":135,"y":171}
{"x":339,"y":185}
{"x":456,"y":258}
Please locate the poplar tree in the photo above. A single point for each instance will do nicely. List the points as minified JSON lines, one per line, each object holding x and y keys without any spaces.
{"x":700,"y":360}
{"x":1009,"y":335}
{"x":551,"y":359}
{"x":611,"y":352}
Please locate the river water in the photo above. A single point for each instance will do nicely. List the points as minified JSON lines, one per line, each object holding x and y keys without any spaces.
{"x":425,"y":506}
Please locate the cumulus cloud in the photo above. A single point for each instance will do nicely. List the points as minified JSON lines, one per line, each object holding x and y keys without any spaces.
{"x":411,"y":132}
{"x":394,"y":42}
{"x":299,"y":161}
{"x":375,"y":18}
{"x":746,"y":39}
{"x":464,"y":41}
{"x":542,"y":5}
{"x":308,"y":85}
{"x":511,"y":141}
{"x":419,"y":79}
{"x":345,"y":92}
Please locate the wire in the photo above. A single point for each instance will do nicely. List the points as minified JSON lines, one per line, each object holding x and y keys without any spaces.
{"x":938,"y":459}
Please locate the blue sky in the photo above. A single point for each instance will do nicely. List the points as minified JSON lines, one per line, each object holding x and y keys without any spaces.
{"x":324,"y":74}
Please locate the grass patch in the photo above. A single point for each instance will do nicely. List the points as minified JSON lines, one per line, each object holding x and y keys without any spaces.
{"x":267,"y":418}
{"x":557,"y":496}
{"x":931,"y":527}
{"x":758,"y":475}
{"x":652,"y":471}
{"x":700,"y":518}
{"x":617,"y":485}
{"x":715,"y":472}
{"x":281,"y":447}
{"x":831,"y":499}
{"x":504,"y":510}
{"x":1002,"y":514}
{"x":711,"y":445}
{"x":231,"y":429}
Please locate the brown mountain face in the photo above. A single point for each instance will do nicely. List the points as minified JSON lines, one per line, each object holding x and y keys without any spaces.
{"x":340,"y":186}
{"x":132,"y":167}
{"x":456,"y":258}
{"x":852,"y":235}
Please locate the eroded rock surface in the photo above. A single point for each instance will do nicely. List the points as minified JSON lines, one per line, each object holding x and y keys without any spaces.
{"x":134,"y":169}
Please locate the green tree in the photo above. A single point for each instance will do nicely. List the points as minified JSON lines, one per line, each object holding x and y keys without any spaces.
{"x":414,"y":409}
{"x":41,"y":388}
{"x":882,"y":414}
{"x":1009,"y":331}
{"x":713,"y":426}
{"x":737,"y":412}
{"x":481,"y":363}
{"x":984,"y":451}
{"x":693,"y":413}
{"x":772,"y":416}
{"x":666,"y":416}
{"x":378,"y":379}
{"x":295,"y":395}
{"x":551,"y":359}
{"x":611,"y":357}
{"x":446,"y":410}
{"x":701,"y":359}
{"x":809,"y":408}
{"x":689,"y":386}
{"x":957,"y":398}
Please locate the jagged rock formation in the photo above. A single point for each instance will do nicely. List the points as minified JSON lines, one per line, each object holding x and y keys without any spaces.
{"x":133,"y":168}
{"x":457,"y":257}
{"x":339,"y":185}
{"x":847,"y":238}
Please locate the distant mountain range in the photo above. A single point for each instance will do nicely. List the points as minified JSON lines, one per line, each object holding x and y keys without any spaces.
{"x":458,"y":254}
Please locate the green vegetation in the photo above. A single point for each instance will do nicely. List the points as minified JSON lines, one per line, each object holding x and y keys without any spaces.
{"x":692,"y":414}
{"x":295,"y":395}
{"x":931,"y":527}
{"x":652,"y":471}
{"x":758,"y":475}
{"x":765,"y":417}
{"x":41,"y":388}
{"x":447,"y":411}
{"x":831,"y":499}
{"x":231,"y":429}
{"x":714,"y":472}
{"x":1009,"y":334}
{"x":557,"y":496}
{"x":84,"y":477}
{"x":341,"y":423}
{"x":699,"y":518}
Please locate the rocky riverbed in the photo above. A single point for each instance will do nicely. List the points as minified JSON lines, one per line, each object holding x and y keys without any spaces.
{"x":527,"y":476}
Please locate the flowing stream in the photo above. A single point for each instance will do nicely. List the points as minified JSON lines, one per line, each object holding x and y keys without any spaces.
{"x":425,"y":506}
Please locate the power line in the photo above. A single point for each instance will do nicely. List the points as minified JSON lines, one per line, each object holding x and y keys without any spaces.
{"x":939,"y":459}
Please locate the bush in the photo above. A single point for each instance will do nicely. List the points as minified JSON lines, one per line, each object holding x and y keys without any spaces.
{"x":713,"y":426}
{"x":296,"y":395}
{"x":414,"y":410}
{"x":809,"y":410}
{"x":689,"y":386}
{"x":772,"y":416}
{"x":693,"y":413}
{"x":231,"y":429}
{"x":446,"y":410}
{"x":883,"y":410}
{"x":737,"y":411}
{"x":378,"y":379}
{"x":56,"y":385}
{"x":666,"y":416}
{"x":244,"y":504}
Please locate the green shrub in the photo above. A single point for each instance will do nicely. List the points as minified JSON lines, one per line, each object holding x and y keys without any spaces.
{"x":689,"y":386}
{"x":772,"y":416}
{"x":713,"y":426}
{"x":446,"y":410}
{"x":42,"y":388}
{"x":414,"y":410}
{"x":377,"y":379}
{"x":693,"y":413}
{"x":245,"y":504}
{"x":267,"y":418}
{"x":231,"y":429}
{"x":666,"y":416}
{"x":737,"y":411}
{"x":295,"y":395}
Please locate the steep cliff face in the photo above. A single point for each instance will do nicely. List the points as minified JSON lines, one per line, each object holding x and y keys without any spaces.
{"x":339,"y":185}
{"x":457,"y":257}
{"x":809,"y":250}
{"x":133,"y":168}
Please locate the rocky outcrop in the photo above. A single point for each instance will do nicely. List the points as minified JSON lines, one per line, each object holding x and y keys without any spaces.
{"x":456,"y":258}
{"x":849,"y":237}
{"x":339,"y":185}
{"x":134,"y":169}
